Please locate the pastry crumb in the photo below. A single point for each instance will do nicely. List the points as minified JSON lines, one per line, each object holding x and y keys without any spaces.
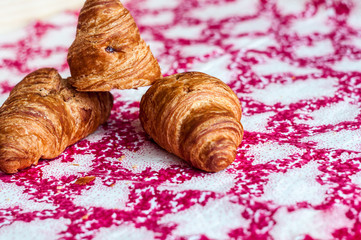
{"x":85,"y":180}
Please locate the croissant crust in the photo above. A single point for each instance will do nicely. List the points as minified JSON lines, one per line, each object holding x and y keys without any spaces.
{"x":108,"y":51}
{"x":194,"y":116}
{"x":43,"y":115}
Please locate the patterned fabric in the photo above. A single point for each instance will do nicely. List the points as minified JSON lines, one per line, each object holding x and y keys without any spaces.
{"x":296,"y":67}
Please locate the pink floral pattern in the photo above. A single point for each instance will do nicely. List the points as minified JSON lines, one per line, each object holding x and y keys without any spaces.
{"x":295,"y":66}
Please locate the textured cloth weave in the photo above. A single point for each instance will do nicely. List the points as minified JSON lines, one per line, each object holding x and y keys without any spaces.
{"x":295,"y":66}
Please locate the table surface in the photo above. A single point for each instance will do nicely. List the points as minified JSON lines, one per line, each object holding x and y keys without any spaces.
{"x":296,"y":68}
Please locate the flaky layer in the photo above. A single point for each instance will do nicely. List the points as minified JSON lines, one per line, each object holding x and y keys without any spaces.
{"x":196,"y":117}
{"x":43,"y":115}
{"x":108,"y":51}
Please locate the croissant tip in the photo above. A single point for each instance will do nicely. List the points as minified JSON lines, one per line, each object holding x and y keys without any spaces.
{"x":217,"y":156}
{"x":221,"y":160}
{"x":9,"y":167}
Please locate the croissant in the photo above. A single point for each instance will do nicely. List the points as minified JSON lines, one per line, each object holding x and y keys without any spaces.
{"x":108,"y":51}
{"x":194,"y":116}
{"x":43,"y":115}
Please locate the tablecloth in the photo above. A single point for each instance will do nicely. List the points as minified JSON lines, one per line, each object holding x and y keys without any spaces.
{"x":18,"y":13}
{"x":295,"y":66}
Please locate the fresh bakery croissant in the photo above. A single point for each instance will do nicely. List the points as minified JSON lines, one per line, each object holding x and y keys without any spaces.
{"x":194,"y":116}
{"x":43,"y":115}
{"x":108,"y":51}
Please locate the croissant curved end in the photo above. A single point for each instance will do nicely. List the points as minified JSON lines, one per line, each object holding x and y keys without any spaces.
{"x":9,"y":167}
{"x":10,"y":161}
{"x":221,"y":156}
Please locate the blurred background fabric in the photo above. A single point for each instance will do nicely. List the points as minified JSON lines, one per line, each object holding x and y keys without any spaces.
{"x":296,"y":68}
{"x":18,"y":13}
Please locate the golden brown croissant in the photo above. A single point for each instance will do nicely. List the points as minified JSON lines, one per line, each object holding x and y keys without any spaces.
{"x":108,"y":51}
{"x":43,"y":115}
{"x":194,"y":116}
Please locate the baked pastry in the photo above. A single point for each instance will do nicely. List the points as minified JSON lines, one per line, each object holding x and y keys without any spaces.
{"x":108,"y":51}
{"x":43,"y":115}
{"x":194,"y":116}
